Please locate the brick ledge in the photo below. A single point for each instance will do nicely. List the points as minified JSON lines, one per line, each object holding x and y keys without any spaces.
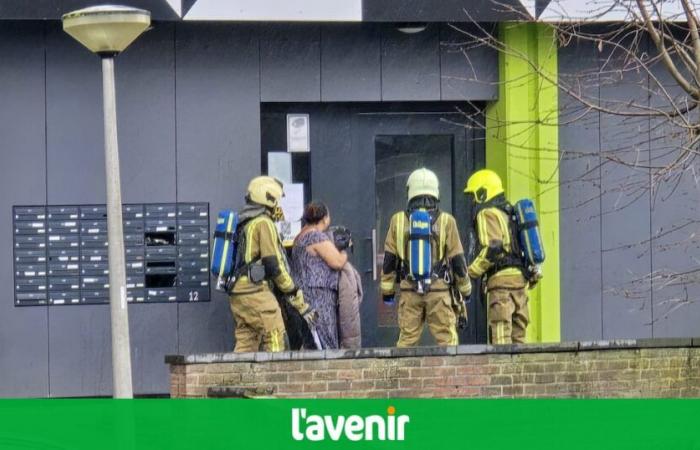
{"x":393,"y":352}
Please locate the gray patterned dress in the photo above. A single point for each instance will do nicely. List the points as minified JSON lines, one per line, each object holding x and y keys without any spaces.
{"x":320,"y":286}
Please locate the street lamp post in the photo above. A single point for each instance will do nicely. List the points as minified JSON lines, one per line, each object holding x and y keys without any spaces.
{"x":107,"y":31}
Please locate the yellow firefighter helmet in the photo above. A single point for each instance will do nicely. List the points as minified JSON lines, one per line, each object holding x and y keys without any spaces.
{"x":484,"y":185}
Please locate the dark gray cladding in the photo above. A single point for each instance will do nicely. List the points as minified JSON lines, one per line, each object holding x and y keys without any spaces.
{"x":53,"y":9}
{"x":442,"y":10}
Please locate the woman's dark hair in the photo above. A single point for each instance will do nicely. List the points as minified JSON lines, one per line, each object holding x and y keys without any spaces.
{"x":314,"y":212}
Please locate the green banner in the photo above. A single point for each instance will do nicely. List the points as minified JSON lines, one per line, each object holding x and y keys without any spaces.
{"x":338,"y":424}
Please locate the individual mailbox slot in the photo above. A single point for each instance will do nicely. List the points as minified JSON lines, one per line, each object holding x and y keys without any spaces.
{"x":30,"y":256}
{"x":30,"y":242}
{"x":64,"y":241}
{"x":199,"y":222}
{"x":161,"y":268}
{"x":94,"y":269}
{"x":94,"y":282}
{"x":184,"y":228}
{"x":161,"y":226}
{"x":93,"y":212}
{"x":136,"y":265}
{"x":134,"y":239}
{"x":63,"y":226}
{"x":64,"y":298}
{"x":57,"y":213}
{"x":29,"y":212}
{"x":135,"y":282}
{"x":64,"y":283}
{"x":30,"y":270}
{"x":193,"y":235}
{"x":164,"y":210}
{"x":94,"y":241}
{"x":193,"y":239}
{"x":58,"y":252}
{"x":193,"y":279}
{"x":89,"y":227}
{"x":187,"y":294}
{"x":193,"y":265}
{"x":135,"y":295}
{"x":201,"y":252}
{"x":161,"y":295}
{"x":94,"y":255}
{"x":33,"y":228}
{"x":134,"y":226}
{"x":193,"y":210}
{"x":96,"y":296}
{"x":30,"y":298}
{"x":60,"y":269}
{"x":132,"y":212}
{"x":134,"y":254}
{"x":31,"y":284}
{"x":168,"y":252}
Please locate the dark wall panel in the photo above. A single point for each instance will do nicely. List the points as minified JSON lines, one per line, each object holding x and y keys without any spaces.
{"x":23,"y":331}
{"x":350,"y":63}
{"x":579,"y":198}
{"x":411,"y":64}
{"x":627,"y":309}
{"x":468,"y":71}
{"x":675,"y":215}
{"x":290,"y":63}
{"x":146,"y":117}
{"x":79,"y":337}
{"x":218,"y":147}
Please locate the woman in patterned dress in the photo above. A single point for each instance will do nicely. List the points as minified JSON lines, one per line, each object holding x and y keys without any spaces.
{"x":316,"y":264}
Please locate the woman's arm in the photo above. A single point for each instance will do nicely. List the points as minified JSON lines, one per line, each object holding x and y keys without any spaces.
{"x":328,"y":253}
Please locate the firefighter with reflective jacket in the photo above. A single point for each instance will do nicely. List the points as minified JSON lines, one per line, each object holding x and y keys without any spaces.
{"x":437,"y":305}
{"x":261,"y":262}
{"x":498,"y":260}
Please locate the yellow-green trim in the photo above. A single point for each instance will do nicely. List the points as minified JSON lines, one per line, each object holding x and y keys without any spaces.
{"x":522,"y":146}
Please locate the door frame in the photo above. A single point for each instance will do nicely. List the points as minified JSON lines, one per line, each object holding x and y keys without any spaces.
{"x":466,"y":158}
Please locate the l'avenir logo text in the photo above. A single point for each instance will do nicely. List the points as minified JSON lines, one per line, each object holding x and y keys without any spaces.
{"x":313,"y":427}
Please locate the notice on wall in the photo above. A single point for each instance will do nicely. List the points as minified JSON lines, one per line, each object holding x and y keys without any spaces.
{"x":293,"y":207}
{"x":279,"y":165}
{"x":298,"y":133}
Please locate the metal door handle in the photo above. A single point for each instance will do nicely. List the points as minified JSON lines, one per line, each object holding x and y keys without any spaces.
{"x":374,"y":254}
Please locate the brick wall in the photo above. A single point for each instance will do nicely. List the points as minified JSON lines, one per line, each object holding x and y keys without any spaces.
{"x":650,"y":368}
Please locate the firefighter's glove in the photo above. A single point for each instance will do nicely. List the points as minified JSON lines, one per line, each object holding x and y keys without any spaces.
{"x":389,"y":300}
{"x":464,"y":286}
{"x":298,"y":302}
{"x":495,"y":251}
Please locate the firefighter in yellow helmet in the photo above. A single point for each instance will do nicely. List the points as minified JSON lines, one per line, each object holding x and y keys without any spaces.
{"x":497,"y":261}
{"x":439,"y":306}
{"x":260,"y":263}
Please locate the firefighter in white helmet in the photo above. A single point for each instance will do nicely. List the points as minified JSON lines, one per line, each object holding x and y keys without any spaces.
{"x":443,"y":303}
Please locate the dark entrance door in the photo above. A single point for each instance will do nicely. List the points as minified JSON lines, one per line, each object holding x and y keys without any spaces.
{"x":386,"y":148}
{"x":361,"y":156}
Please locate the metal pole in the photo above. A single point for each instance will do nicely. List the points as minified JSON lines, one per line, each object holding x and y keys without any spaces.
{"x":121,"y":353}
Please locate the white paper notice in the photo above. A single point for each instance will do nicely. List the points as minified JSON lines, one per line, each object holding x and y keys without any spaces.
{"x":298,"y":133}
{"x":293,"y":207}
{"x":279,"y":165}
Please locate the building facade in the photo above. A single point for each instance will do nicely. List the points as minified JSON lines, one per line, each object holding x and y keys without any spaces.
{"x":203,"y":101}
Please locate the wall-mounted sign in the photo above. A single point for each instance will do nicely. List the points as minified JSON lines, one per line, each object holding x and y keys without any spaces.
{"x":279,"y":165}
{"x":293,"y":207}
{"x":298,"y":133}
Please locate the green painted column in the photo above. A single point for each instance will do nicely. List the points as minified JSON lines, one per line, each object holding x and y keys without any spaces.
{"x":522,"y":146}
